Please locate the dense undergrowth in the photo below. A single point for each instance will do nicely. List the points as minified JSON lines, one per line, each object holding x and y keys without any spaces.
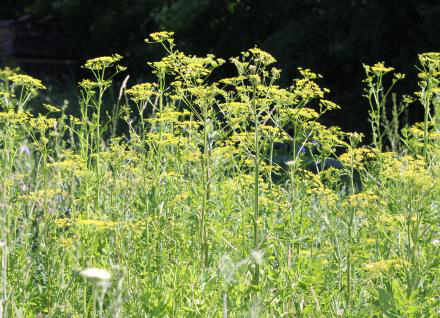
{"x":190,"y":214}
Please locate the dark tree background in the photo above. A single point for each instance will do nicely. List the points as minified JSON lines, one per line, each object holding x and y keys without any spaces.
{"x":331,"y":37}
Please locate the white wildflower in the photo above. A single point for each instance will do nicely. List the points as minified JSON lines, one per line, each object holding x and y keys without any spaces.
{"x":257,"y":257}
{"x":95,"y":274}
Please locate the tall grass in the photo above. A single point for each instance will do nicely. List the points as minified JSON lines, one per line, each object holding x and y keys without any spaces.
{"x":188,"y":214}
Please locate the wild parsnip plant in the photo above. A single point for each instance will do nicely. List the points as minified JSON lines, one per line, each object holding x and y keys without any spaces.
{"x":207,"y":206}
{"x":378,"y":95}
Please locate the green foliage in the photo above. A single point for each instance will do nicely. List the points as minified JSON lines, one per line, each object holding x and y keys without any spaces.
{"x":181,"y":216}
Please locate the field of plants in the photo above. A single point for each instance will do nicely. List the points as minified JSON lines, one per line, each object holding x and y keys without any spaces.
{"x":189,"y":197}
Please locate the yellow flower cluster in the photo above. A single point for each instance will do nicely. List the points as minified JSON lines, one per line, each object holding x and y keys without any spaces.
{"x":308,"y":74}
{"x":27,"y":81}
{"x":158,"y":37}
{"x":74,"y":164}
{"x":307,"y":89}
{"x":233,"y":80}
{"x":42,"y":123}
{"x":191,"y":154}
{"x":142,"y":92}
{"x":262,"y":57}
{"x":328,"y":105}
{"x":364,"y":200}
{"x":179,"y":199}
{"x":97,"y":223}
{"x":394,"y":220}
{"x":431,"y":58}
{"x":417,"y":132}
{"x":168,"y":116}
{"x":7,"y":95}
{"x":15,"y":118}
{"x":88,"y":85}
{"x":378,"y":68}
{"x":51,"y":108}
{"x":187,"y":67}
{"x":188,"y":125}
{"x":102,"y":62}
{"x":171,"y":175}
{"x":272,"y":133}
{"x":62,"y":222}
{"x":384,"y":265}
{"x":39,"y":195}
{"x":223,"y":153}
{"x":355,"y":157}
{"x":407,"y":170}
{"x":426,"y":75}
{"x":281,"y":96}
{"x":298,"y":114}
{"x":381,"y":68}
{"x":7,"y":72}
{"x":327,"y":196}
{"x":166,"y":138}
{"x":235,"y":107}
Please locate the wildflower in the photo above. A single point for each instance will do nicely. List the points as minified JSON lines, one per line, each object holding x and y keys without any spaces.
{"x":52,"y":108}
{"x":88,"y":84}
{"x":8,"y":72}
{"x":381,"y":68}
{"x":328,"y":105}
{"x":355,"y":156}
{"x":429,"y":58}
{"x":308,"y":74}
{"x":383,"y":265}
{"x":235,"y":109}
{"x":102,"y":62}
{"x":370,"y":241}
{"x":423,"y":75}
{"x":66,"y":242}
{"x":42,"y":123}
{"x":95,"y":274}
{"x":71,"y":165}
{"x":25,"y":149}
{"x":399,"y":76}
{"x":436,"y":90}
{"x":363,"y":200}
{"x":62,"y":222}
{"x":142,"y":92}
{"x":233,"y":80}
{"x":158,"y":37}
{"x":257,"y":257}
{"x":275,"y":72}
{"x":97,"y":223}
{"x":307,"y":89}
{"x":262,"y":56}
{"x":7,"y":95}
{"x":28,"y":81}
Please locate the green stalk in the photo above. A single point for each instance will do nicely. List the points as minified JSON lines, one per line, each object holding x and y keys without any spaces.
{"x":206,"y":186}
{"x":425,"y":101}
{"x":84,"y":140}
{"x":256,"y":190}
{"x":348,"y":274}
{"x":97,"y":146}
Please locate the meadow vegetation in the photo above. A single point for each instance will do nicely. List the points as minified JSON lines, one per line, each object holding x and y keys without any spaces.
{"x":171,"y":204}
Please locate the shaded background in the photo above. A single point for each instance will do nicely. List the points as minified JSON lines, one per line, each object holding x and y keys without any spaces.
{"x":52,"y":39}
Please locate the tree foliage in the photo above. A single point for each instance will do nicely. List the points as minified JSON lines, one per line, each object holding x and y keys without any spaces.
{"x":332,"y":37}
